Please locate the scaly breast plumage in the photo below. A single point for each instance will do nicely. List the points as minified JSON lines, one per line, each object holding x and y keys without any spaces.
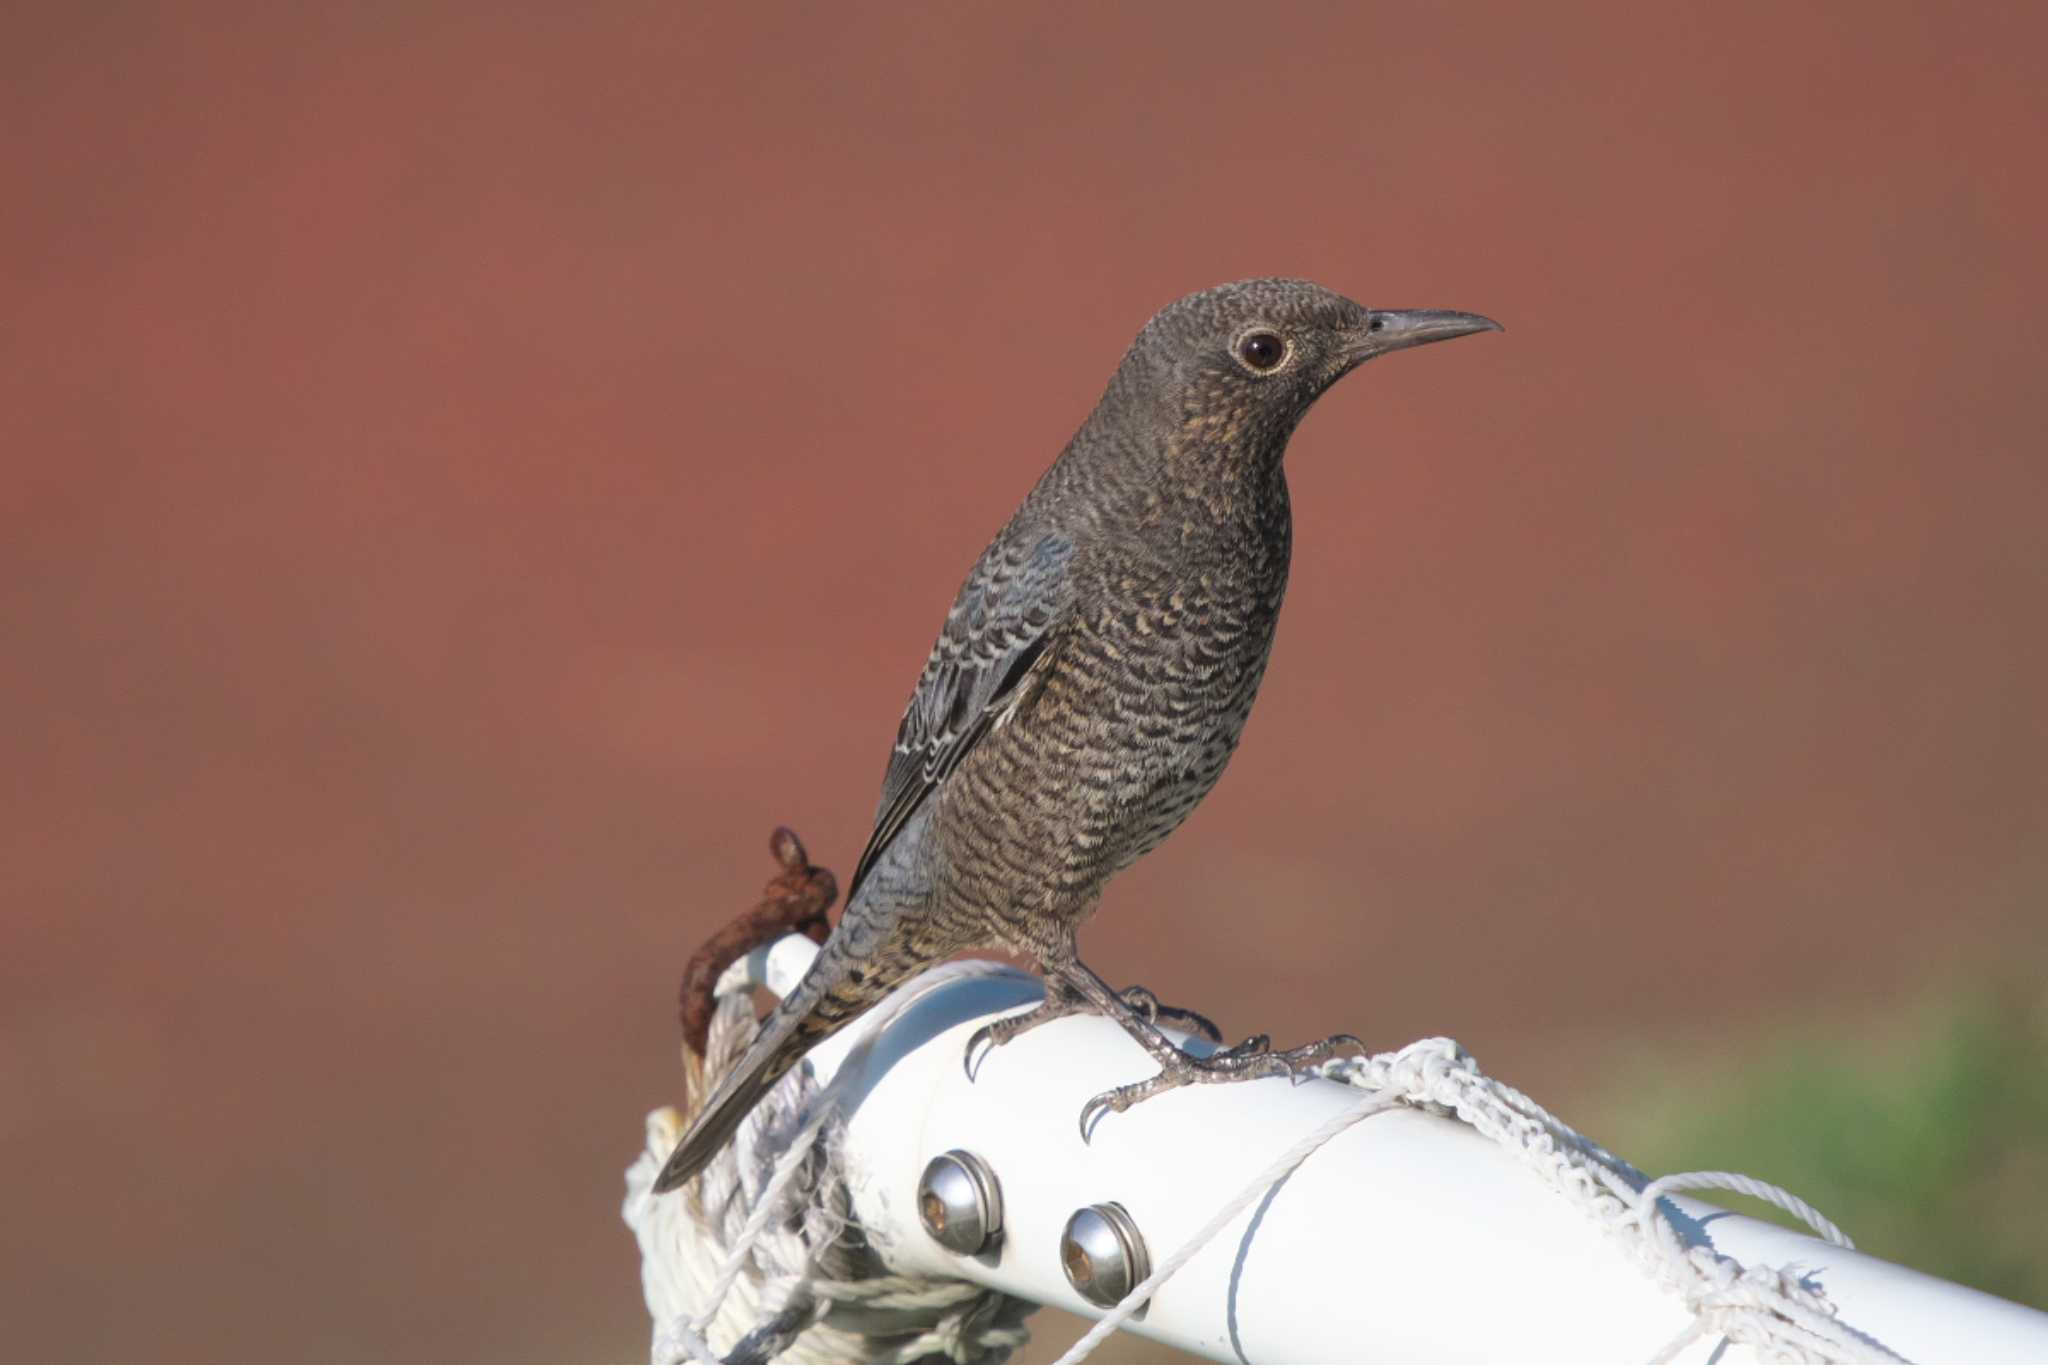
{"x":1135,"y":721}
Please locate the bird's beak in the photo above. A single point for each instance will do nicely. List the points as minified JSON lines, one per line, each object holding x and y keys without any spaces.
{"x":1396,"y":329}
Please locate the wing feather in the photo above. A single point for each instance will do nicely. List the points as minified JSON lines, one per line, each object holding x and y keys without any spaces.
{"x":998,"y":635}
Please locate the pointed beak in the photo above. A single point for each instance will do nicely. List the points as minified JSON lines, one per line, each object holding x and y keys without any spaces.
{"x":1396,"y":329}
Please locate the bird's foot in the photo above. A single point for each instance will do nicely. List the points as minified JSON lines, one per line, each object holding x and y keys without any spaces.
{"x":1061,"y":1002}
{"x":997,"y":1032}
{"x":1249,"y":1060}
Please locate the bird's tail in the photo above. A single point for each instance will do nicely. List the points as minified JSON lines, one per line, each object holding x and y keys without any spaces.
{"x":842,"y":982}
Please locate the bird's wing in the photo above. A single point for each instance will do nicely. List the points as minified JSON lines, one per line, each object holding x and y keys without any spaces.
{"x":995,"y":641}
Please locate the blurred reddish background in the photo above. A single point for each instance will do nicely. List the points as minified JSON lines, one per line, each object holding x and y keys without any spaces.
{"x":471,"y":471}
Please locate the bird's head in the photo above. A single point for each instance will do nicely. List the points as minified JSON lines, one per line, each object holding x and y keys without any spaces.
{"x":1237,"y":366}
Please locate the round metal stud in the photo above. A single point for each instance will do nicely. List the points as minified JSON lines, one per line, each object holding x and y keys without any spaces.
{"x":960,"y":1202}
{"x":1103,"y":1255}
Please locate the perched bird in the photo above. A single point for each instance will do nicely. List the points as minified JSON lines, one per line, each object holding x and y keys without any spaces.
{"x":1088,"y":686}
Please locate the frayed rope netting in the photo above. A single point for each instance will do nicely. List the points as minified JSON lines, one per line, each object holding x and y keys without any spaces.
{"x":758,"y":1260}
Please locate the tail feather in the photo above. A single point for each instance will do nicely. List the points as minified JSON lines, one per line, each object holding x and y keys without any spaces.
{"x":715,"y":1125}
{"x":838,"y":987}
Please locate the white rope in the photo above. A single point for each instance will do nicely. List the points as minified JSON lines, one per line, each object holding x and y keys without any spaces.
{"x":1775,"y":1311}
{"x":765,"y":1208}
{"x":1741,"y":1184}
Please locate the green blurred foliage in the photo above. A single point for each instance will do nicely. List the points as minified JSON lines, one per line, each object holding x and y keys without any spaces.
{"x":1925,"y":1139}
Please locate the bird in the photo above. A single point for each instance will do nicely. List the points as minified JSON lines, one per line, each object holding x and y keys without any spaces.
{"x":1087,"y":688}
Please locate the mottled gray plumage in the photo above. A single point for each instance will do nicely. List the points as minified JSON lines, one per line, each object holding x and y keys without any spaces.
{"x":1090,"y":683}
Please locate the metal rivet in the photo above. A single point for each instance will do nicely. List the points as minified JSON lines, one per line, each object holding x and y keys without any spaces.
{"x":960,"y":1203}
{"x":1103,"y":1255}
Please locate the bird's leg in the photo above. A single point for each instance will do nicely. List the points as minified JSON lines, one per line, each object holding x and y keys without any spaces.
{"x":1249,"y":1060}
{"x":1132,"y":1016}
{"x":1062,"y":1000}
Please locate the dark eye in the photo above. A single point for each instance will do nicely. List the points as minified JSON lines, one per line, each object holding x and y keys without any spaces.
{"x":1261,"y":350}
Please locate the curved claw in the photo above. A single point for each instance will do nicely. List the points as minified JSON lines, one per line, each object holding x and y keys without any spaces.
{"x":985,"y":1035}
{"x":1334,"y":1045}
{"x":1093,"y":1110}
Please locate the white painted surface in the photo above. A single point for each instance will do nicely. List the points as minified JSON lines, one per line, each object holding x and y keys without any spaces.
{"x":1409,"y":1238}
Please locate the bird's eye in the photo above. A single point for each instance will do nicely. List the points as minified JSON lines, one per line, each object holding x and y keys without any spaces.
{"x":1261,"y":351}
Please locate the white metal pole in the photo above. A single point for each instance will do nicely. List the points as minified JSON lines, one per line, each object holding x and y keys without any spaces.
{"x":1409,"y":1238}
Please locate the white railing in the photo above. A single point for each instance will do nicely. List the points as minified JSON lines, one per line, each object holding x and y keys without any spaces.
{"x":1409,"y":1236}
